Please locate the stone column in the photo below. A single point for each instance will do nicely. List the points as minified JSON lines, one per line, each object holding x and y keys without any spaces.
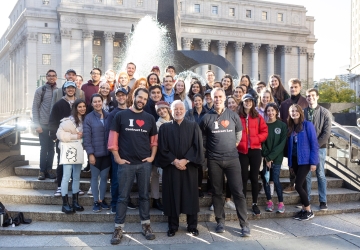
{"x":255,"y":47}
{"x":88,"y":36}
{"x":65,"y":48}
{"x":222,"y":52}
{"x":31,"y":66}
{"x":310,"y":76}
{"x":204,"y":45}
{"x":186,"y":43}
{"x":302,"y":65}
{"x":270,"y":59}
{"x":285,"y":67}
{"x":109,"y":50}
{"x":239,"y":46}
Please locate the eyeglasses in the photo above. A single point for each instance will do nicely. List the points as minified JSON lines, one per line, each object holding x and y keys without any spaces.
{"x":51,"y":76}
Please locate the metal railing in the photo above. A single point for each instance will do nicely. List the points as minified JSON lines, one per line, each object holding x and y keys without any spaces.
{"x":13,"y":118}
{"x":350,"y":141}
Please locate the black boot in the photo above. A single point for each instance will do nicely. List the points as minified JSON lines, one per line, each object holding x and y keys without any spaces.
{"x":157,"y":204}
{"x":66,"y":208}
{"x":75,"y":203}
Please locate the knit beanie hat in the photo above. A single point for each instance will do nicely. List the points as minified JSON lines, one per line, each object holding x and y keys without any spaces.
{"x":161,"y":104}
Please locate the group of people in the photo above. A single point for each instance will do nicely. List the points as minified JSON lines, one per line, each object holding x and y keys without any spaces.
{"x":146,"y":129}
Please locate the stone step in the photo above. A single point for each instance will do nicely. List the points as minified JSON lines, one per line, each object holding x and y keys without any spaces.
{"x":31,"y":182}
{"x":52,"y":214}
{"x":46,"y":197}
{"x":33,"y":170}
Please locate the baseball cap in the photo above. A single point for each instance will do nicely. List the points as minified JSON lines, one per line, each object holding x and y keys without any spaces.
{"x":246,"y":97}
{"x":69,"y":84}
{"x":121,"y":89}
{"x":70,"y":71}
{"x":208,"y":92}
{"x":161,"y":104}
{"x":155,"y":67}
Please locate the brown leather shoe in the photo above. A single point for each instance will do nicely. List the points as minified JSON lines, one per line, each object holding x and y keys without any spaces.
{"x":289,"y":190}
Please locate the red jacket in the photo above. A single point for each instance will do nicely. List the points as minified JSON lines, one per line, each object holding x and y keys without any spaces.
{"x":258,"y":132}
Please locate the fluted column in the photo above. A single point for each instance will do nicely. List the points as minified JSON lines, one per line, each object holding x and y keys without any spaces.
{"x":255,"y":47}
{"x":302,"y":65}
{"x":310,"y":77}
{"x":270,"y":59}
{"x":65,"y":48}
{"x":285,"y":66}
{"x":222,"y":52}
{"x":204,"y":46}
{"x":239,"y":46}
{"x":88,"y":36}
{"x":109,"y":50}
{"x":31,"y":65}
{"x":186,"y":43}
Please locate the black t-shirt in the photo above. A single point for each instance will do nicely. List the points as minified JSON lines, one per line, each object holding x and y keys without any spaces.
{"x":219,"y":131}
{"x":135,"y":130}
{"x":112,"y":115}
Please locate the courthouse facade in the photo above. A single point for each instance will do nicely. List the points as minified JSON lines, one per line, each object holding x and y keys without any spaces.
{"x":259,"y":38}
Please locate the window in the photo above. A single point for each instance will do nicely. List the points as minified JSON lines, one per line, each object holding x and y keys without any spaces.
{"x":180,"y":6}
{"x":116,"y":44}
{"x":97,"y":61}
{"x":232,"y":12}
{"x":119,"y":2}
{"x":140,"y":2}
{"x":97,"y":42}
{"x":46,"y":38}
{"x":46,"y":24}
{"x":46,"y":59}
{"x":264,"y":15}
{"x":46,"y":2}
{"x":197,"y":8}
{"x":248,"y":13}
{"x":280,"y":17}
{"x":214,"y":10}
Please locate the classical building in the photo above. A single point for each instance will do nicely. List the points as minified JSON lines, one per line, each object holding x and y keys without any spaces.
{"x":259,"y":38}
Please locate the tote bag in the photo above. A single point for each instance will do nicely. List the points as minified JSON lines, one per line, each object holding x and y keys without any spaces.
{"x":71,"y":152}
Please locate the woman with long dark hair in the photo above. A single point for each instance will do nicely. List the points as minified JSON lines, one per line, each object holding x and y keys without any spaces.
{"x":254,"y":133}
{"x":95,"y":143}
{"x":227,"y":82}
{"x":195,"y":88}
{"x":153,"y":79}
{"x":71,"y":128}
{"x":303,"y":155}
{"x":104,"y":91}
{"x":273,"y":151}
{"x":277,"y":89}
{"x":245,"y":80}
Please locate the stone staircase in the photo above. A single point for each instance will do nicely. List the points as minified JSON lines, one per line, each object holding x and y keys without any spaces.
{"x":24,"y":193}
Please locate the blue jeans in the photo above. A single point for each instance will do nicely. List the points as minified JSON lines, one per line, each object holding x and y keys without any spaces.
{"x":320,"y":174}
{"x":114,"y":182}
{"x":46,"y":149}
{"x":67,"y":169}
{"x":126,"y":174}
{"x":275,"y":173}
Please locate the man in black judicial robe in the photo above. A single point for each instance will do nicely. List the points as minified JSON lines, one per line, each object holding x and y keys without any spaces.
{"x":180,"y":153}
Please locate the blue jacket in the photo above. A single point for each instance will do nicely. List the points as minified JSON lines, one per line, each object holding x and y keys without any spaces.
{"x":307,"y":146}
{"x":96,"y":134}
{"x":168,"y":98}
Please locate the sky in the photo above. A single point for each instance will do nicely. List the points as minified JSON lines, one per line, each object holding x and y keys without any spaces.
{"x":332,"y":29}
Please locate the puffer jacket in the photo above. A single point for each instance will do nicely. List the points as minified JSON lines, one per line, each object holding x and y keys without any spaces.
{"x":307,"y":146}
{"x":67,"y":130}
{"x":258,"y":132}
{"x":96,"y":134}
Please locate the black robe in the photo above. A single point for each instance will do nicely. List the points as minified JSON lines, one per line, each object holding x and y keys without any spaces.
{"x":180,"y":187}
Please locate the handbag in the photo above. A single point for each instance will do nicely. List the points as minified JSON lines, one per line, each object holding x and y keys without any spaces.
{"x":71,"y":152}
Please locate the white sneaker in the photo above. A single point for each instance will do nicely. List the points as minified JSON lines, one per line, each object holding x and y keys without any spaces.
{"x":271,"y":189}
{"x":211,"y":208}
{"x":89,"y":192}
{"x":58,"y":192}
{"x":262,"y":190}
{"x":230,"y":205}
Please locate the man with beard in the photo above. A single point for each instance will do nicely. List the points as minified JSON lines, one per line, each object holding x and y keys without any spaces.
{"x":60,"y":110}
{"x":133,"y":142}
{"x":221,"y":129}
{"x":180,"y":155}
{"x":130,"y":70}
{"x":92,"y":86}
{"x":167,"y":89}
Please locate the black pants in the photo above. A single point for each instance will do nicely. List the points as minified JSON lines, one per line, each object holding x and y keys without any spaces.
{"x":232,"y":170}
{"x":252,"y":158}
{"x":301,"y":172}
{"x":59,"y":169}
{"x":200,"y":176}
{"x":191,"y":219}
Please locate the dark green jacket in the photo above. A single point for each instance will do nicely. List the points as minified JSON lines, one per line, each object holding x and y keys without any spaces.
{"x":273,"y":147}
